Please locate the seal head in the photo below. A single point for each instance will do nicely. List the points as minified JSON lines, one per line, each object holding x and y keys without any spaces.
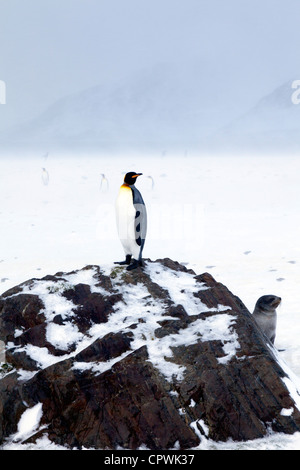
{"x":265,"y":315}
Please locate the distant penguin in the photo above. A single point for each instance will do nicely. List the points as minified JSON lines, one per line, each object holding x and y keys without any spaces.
{"x":152,"y":181}
{"x":265,"y":315}
{"x":103,"y":183}
{"x":45,"y":176}
{"x":131,"y":218}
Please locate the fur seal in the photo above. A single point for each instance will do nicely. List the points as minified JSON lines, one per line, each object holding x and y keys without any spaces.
{"x":265,"y":315}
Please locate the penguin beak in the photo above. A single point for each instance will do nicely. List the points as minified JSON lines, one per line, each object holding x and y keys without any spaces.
{"x":138,"y":174}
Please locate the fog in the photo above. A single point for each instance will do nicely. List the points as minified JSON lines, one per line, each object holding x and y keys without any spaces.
{"x":52,"y":49}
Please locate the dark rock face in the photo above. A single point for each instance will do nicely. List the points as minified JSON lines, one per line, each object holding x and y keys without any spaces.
{"x":156,"y":357}
{"x":21,"y":311}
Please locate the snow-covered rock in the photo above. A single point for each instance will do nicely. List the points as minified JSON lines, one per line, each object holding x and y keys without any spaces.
{"x":154,"y":358}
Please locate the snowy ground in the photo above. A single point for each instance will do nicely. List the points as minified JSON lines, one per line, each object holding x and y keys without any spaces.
{"x":235,"y":217}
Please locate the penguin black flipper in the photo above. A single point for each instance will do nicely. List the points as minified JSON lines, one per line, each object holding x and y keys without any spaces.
{"x":140,"y":220}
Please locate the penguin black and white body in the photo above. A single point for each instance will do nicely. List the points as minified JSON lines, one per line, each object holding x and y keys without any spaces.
{"x":131,"y":221}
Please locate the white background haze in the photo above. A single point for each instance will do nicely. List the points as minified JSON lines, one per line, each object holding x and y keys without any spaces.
{"x":53,"y":48}
{"x":130,"y":71}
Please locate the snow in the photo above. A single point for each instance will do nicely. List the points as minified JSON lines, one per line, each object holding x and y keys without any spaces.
{"x":29,"y":422}
{"x":195,"y":427}
{"x":234,"y":217}
{"x":212,"y":328}
{"x":287,"y":411}
{"x":40,"y":355}
{"x":293,"y":390}
{"x":61,"y":336}
{"x":50,"y":294}
{"x":99,"y":367}
{"x":136,"y":308}
{"x":42,"y":443}
{"x":171,"y":281}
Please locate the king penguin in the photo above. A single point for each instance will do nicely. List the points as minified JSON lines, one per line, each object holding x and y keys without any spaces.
{"x":131,"y":218}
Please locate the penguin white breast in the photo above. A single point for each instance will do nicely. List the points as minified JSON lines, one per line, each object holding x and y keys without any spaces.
{"x":125,"y":215}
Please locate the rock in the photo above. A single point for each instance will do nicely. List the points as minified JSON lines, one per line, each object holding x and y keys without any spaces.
{"x":156,"y":357}
{"x":125,"y":406}
{"x":103,"y":349}
{"x":23,"y":311}
{"x":11,"y":405}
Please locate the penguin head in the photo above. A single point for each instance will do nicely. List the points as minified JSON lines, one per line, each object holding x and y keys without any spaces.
{"x":130,"y":178}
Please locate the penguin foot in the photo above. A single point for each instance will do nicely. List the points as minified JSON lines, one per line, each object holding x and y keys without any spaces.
{"x":135,"y":264}
{"x":127,"y":261}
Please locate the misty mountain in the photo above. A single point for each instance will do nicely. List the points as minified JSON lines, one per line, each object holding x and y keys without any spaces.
{"x":273,"y":124}
{"x":161,"y":107}
{"x":164,"y":108}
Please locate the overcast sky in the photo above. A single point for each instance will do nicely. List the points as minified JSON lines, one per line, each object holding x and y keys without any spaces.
{"x":51,"y":48}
